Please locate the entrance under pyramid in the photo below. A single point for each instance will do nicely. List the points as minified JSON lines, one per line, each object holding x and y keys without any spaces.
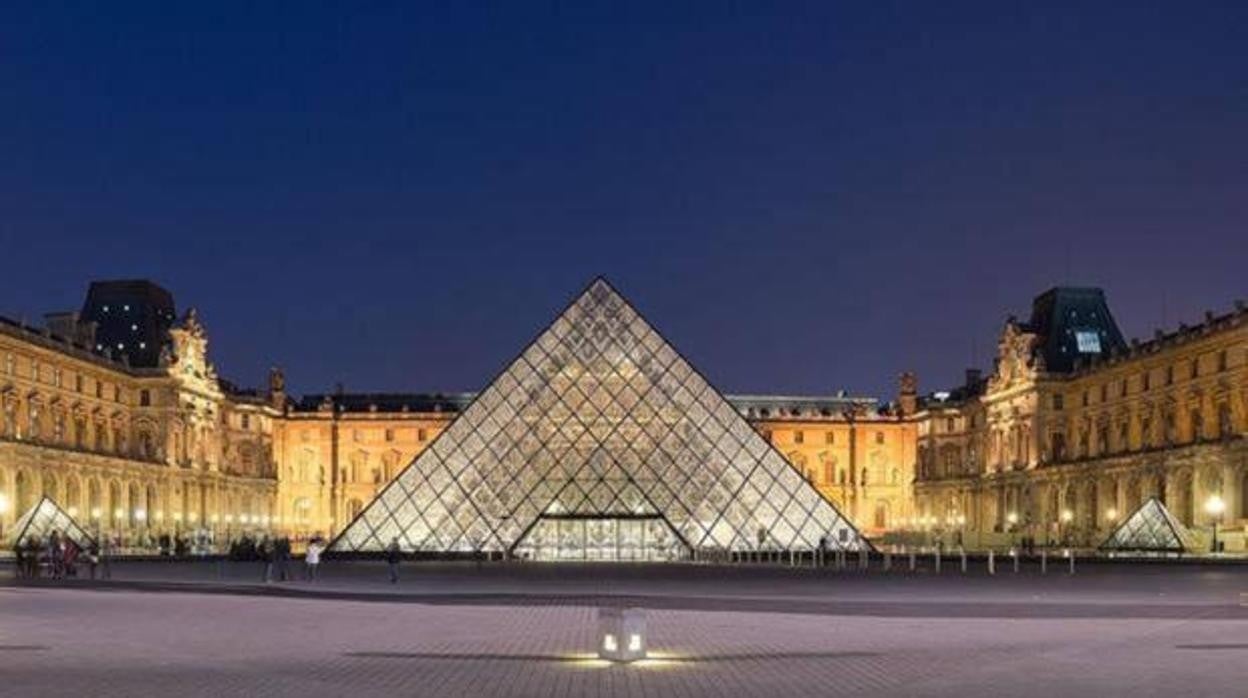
{"x":599,"y":442}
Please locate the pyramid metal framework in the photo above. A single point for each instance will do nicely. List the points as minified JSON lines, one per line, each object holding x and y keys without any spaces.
{"x":1150,"y":528}
{"x":44,"y":518}
{"x":599,"y":442}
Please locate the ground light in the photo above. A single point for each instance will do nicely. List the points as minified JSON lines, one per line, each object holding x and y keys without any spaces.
{"x":621,"y":634}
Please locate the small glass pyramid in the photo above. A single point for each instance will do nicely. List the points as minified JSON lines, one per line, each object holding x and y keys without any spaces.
{"x":44,"y":518}
{"x":1150,"y":528}
{"x":599,"y":442}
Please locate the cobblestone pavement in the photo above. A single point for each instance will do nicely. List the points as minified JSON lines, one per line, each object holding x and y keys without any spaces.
{"x":457,"y":631}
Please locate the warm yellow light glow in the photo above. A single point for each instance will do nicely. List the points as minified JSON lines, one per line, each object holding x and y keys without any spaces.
{"x":1214,"y":506}
{"x":95,"y":512}
{"x":608,"y":643}
{"x":1067,"y":515}
{"x":1011,"y":518}
{"x":1112,"y":514}
{"x":177,"y":516}
{"x":4,"y":503}
{"x":117,"y":513}
{"x":634,"y":643}
{"x":72,"y":511}
{"x":140,"y":514}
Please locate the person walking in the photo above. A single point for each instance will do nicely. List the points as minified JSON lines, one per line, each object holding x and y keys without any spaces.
{"x":393,"y":556}
{"x":312,"y":559}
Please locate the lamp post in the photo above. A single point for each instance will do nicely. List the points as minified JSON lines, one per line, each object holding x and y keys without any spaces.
{"x":1067,"y":517}
{"x":1012,"y":519}
{"x":1214,"y":506}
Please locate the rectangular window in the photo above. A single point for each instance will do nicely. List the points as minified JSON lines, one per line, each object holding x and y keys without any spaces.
{"x":1146,"y":381}
{"x":78,"y":382}
{"x":1222,"y":360}
{"x":1105,"y":393}
{"x":879,"y":437}
{"x":1122,"y":389}
{"x":116,"y":393}
{"x":799,"y":437}
{"x":389,"y":435}
{"x":99,"y":390}
{"x":57,"y":377}
{"x":1057,"y":401}
{"x":1085,"y":398}
{"x":421,"y":435}
{"x":1170,"y":375}
{"x":246,"y":421}
{"x":829,"y":438}
{"x":1195,"y":368}
{"x":145,"y":399}
{"x":1088,"y":342}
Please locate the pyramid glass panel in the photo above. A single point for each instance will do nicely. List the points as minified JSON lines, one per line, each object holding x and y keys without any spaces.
{"x":44,"y":518}
{"x":1152,"y":529}
{"x":599,"y":442}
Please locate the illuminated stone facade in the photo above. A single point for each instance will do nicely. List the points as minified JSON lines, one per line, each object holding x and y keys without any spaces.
{"x":1058,"y":445}
{"x":167,"y":446}
{"x":131,"y":450}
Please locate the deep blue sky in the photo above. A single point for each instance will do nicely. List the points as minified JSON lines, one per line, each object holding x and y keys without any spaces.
{"x":801,"y":197}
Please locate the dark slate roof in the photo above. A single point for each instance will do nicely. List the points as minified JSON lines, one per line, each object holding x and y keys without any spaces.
{"x":387,"y":402}
{"x":1074,"y":325}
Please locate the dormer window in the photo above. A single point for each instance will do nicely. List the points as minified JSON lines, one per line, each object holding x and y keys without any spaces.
{"x":1088,"y":342}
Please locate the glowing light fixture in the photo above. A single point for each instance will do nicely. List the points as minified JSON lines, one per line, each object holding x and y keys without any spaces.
{"x":615,"y":624}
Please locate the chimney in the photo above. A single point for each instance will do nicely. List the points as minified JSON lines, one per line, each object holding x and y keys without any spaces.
{"x":908,"y":393}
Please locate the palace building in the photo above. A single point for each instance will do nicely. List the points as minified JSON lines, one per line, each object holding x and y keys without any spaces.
{"x":117,"y":415}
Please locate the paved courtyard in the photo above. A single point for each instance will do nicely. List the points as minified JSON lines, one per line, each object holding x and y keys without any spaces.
{"x":161,"y":629}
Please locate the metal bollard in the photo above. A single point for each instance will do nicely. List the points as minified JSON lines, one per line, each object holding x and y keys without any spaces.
{"x":912,"y":560}
{"x":1072,"y":560}
{"x":1014,"y":554}
{"x":936,"y":555}
{"x":992,"y":562}
{"x":864,"y":560}
{"x":792,"y":559}
{"x":962,"y":554}
{"x":1044,"y":562}
{"x":888,"y":561}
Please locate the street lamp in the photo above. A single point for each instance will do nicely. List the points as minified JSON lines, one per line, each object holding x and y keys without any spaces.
{"x":1214,"y":506}
{"x":1111,"y":515}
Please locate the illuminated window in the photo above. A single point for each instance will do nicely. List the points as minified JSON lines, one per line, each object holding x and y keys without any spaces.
{"x":1088,"y":342}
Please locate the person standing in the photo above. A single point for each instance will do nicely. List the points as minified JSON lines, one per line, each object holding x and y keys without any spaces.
{"x":264,"y":551}
{"x":54,"y":553}
{"x":393,"y":556}
{"x":93,"y":557}
{"x":313,"y":558}
{"x":283,"y":559}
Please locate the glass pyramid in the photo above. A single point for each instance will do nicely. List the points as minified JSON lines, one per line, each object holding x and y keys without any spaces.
{"x":1151,"y":528}
{"x":599,"y":442}
{"x":44,"y":518}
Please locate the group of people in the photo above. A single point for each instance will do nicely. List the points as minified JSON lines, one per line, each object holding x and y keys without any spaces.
{"x":274,"y":554}
{"x":60,"y":554}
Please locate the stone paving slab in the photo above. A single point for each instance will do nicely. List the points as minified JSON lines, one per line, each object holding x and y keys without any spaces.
{"x":121,"y":641}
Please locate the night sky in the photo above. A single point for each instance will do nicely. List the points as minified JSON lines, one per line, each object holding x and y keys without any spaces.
{"x":802,"y":198}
